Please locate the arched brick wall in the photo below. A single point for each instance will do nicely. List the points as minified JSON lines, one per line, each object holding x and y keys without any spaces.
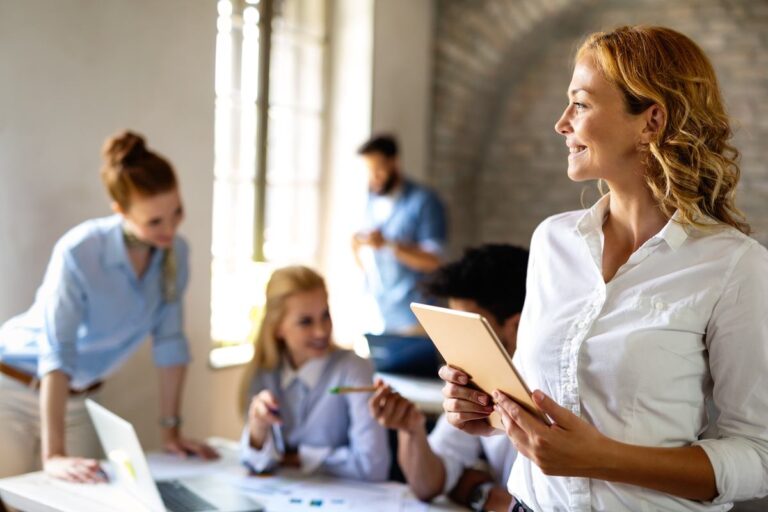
{"x":501,"y":71}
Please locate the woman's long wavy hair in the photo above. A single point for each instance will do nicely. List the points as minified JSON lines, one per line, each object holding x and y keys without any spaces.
{"x":268,"y":348}
{"x":691,"y":166}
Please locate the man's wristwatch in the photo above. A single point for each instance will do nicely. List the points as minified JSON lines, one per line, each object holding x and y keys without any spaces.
{"x":478,"y":496}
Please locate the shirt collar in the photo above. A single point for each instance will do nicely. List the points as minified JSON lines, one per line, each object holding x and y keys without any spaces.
{"x":115,"y":252}
{"x":673,"y":232}
{"x":309,"y":374}
{"x":592,"y":220}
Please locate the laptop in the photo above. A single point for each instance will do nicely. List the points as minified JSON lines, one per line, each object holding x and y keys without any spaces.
{"x":131,"y":472}
{"x":404,"y":355}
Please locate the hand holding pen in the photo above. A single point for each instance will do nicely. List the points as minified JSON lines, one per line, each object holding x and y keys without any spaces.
{"x":263,"y":413}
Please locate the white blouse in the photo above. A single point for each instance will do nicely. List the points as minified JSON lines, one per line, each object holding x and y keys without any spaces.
{"x":684,"y":321}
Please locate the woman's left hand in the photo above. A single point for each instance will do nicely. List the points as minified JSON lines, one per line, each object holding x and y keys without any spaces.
{"x":183,"y":447}
{"x":568,"y":447}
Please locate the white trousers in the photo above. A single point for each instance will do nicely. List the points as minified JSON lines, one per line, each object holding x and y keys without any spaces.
{"x":20,"y":429}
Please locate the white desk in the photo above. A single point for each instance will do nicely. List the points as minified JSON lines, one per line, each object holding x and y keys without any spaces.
{"x":425,"y":393}
{"x":37,"y":492}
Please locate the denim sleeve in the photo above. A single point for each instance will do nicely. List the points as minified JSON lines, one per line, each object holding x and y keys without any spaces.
{"x":64,"y":308}
{"x":169,"y":344}
{"x":432,"y":227}
{"x":258,"y":461}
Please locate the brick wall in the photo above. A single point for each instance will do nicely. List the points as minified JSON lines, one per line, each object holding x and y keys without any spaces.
{"x":501,"y":71}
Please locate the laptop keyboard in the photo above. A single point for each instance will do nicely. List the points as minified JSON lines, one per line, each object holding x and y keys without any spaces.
{"x":177,"y":498}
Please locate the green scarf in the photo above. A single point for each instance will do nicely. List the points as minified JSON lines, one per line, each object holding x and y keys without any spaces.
{"x":168,"y":275}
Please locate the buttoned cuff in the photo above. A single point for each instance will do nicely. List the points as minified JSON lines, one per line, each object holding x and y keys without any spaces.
{"x":312,"y":457}
{"x":63,"y":361}
{"x":258,"y":461}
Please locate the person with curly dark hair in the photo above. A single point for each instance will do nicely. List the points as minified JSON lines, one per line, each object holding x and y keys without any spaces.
{"x":110,"y":283}
{"x":488,"y":280}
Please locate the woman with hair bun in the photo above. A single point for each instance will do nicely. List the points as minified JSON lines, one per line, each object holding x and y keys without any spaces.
{"x":109,"y":284}
{"x":644,"y":309}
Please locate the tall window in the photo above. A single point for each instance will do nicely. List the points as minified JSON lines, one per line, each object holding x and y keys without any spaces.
{"x":270,"y":105}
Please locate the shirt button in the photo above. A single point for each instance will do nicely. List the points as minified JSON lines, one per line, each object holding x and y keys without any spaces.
{"x":659,"y":306}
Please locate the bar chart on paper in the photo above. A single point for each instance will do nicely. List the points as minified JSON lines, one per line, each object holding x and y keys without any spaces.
{"x":317,"y":493}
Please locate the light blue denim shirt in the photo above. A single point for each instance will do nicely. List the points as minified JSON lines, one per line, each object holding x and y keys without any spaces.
{"x":417,"y":218}
{"x":92,"y":312}
{"x":334,"y":434}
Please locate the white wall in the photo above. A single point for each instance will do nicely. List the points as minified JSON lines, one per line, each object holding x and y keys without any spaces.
{"x":402,"y":77}
{"x":73,"y":72}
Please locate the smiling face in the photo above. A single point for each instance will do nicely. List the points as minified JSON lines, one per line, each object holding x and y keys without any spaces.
{"x":603,"y":138}
{"x":154,"y":219}
{"x":306,"y":326}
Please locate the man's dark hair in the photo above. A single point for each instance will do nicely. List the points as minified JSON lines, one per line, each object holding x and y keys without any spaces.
{"x":383,"y":144}
{"x":492,"y":275}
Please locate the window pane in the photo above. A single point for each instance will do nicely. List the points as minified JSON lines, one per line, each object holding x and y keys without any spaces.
{"x":233,"y":219}
{"x":311,"y":65}
{"x":309,"y":151}
{"x":293,"y":155}
{"x":282,"y":145}
{"x":237,"y":295}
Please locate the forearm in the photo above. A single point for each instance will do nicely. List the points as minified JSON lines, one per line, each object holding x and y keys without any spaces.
{"x":415,"y":258}
{"x":685,"y":472}
{"x":499,"y":499}
{"x":423,"y":469}
{"x":54,"y":393}
{"x":171,"y":384}
{"x":257,"y":434}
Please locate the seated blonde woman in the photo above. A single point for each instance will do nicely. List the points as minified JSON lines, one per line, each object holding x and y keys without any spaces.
{"x":292,"y":418}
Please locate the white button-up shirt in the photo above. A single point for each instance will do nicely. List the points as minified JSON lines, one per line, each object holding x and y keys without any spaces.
{"x":459,"y":451}
{"x":683,"y":321}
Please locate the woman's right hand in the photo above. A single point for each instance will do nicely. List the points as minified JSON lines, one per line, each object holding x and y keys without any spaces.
{"x":263,"y":412}
{"x":465,"y":408}
{"x":74,"y":469}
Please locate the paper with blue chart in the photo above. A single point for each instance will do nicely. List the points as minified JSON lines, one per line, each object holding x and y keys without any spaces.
{"x":318,"y":493}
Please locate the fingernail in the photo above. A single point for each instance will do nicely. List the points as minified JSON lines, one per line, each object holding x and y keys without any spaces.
{"x":496,"y":394}
{"x":462,"y":379}
{"x":483,"y":399}
{"x":538,"y":396}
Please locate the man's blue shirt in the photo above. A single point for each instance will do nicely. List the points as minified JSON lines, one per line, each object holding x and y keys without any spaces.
{"x":417,"y":218}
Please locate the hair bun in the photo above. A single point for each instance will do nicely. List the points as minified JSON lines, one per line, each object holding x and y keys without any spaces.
{"x":124,"y":149}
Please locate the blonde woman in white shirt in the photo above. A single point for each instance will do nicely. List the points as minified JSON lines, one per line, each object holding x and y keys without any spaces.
{"x":644,"y":307}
